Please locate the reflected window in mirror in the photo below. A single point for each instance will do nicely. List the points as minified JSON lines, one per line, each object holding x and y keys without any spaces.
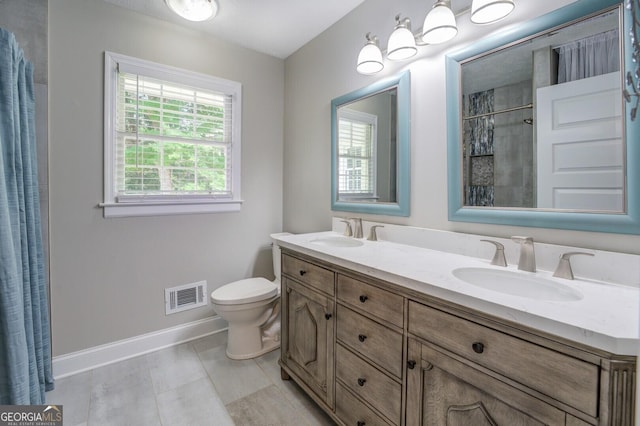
{"x":357,"y":134}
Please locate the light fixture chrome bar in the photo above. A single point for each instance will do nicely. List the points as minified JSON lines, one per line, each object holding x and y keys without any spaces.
{"x":528,"y":106}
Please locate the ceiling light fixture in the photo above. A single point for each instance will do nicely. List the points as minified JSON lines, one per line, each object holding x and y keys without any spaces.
{"x":439,"y":24}
{"x":402,"y":42}
{"x":194,"y":10}
{"x":489,"y":11}
{"x":370,"y":57}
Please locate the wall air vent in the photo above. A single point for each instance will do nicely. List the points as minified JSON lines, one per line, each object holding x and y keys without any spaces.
{"x":184,"y":297}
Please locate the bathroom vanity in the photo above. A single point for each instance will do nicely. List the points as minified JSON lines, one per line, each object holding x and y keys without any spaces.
{"x":374,"y":346}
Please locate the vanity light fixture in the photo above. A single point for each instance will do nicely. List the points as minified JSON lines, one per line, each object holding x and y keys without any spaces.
{"x":439,"y":24}
{"x":402,"y":42}
{"x":370,"y":57}
{"x":489,"y":11}
{"x":194,"y":10}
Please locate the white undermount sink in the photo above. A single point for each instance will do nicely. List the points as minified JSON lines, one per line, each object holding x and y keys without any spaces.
{"x":337,"y":241}
{"x":517,"y":284}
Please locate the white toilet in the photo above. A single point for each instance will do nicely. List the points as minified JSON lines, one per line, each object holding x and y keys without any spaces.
{"x":252,"y":309}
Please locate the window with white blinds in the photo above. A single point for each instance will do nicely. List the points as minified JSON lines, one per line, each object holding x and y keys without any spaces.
{"x":357,"y":154}
{"x":172,"y":137}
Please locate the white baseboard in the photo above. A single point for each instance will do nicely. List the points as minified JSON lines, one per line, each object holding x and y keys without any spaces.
{"x":88,"y":359}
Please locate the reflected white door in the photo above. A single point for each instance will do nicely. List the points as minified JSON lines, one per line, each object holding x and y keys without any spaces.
{"x":580,"y":151}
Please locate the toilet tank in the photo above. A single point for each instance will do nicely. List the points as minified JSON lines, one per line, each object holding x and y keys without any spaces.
{"x":275,"y":249}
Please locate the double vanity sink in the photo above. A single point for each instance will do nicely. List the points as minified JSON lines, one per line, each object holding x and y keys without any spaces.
{"x":391,"y":333}
{"x":522,"y":284}
{"x":600,"y":314}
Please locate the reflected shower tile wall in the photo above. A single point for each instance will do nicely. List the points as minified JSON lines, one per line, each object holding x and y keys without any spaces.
{"x":480,"y":196}
{"x":481,"y":129}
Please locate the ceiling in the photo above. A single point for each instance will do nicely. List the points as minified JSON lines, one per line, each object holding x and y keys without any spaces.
{"x":274,"y":27}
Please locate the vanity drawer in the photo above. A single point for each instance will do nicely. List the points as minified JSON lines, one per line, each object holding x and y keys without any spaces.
{"x":562,"y":377}
{"x":373,"y":340}
{"x":369,"y":383}
{"x":353,"y":412}
{"x":309,"y":274}
{"x":375,"y":301}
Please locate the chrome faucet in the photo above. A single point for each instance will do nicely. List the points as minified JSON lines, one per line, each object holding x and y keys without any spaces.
{"x":527,"y":260}
{"x":347,"y":228}
{"x":373,"y":236}
{"x":498,"y":256}
{"x":357,"y":227}
{"x":564,"y":265}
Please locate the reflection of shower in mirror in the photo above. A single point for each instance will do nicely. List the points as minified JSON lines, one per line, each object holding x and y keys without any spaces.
{"x":528,"y":121}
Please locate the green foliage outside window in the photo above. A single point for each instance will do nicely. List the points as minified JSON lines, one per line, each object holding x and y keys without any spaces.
{"x":190,"y":154}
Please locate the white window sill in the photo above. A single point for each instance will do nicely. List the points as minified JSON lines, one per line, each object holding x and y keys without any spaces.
{"x":112,"y":210}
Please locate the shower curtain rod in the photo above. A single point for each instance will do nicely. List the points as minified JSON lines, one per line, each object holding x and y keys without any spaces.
{"x":499,"y":112}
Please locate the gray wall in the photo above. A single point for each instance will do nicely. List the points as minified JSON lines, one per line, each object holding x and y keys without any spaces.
{"x":513,"y":147}
{"x":325,"y":69}
{"x":108,"y":275}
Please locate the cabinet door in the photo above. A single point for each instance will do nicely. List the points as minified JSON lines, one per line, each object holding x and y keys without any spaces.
{"x":308,"y":344}
{"x":442,"y":390}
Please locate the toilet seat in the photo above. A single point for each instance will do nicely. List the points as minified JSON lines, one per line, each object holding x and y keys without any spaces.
{"x":244,"y":291}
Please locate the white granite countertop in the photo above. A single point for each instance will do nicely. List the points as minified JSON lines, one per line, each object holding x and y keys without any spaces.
{"x":607,"y":316}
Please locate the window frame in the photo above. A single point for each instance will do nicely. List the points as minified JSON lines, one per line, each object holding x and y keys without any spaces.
{"x":166,"y":205}
{"x":361,"y":118}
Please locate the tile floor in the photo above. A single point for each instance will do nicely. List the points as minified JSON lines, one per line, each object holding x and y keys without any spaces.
{"x":193,"y":384}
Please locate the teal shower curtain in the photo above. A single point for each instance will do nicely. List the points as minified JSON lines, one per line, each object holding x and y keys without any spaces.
{"x":25,"y":345}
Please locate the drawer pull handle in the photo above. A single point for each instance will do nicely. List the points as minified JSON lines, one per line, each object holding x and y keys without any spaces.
{"x":411,"y":364}
{"x":363,"y":298}
{"x":478,"y":347}
{"x":362,"y":381}
{"x":327,"y":316}
{"x":361,"y":423}
{"x":362,"y":337}
{"x":302,"y":272}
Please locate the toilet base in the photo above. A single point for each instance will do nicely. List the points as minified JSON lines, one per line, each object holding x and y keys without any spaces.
{"x":272,"y":346}
{"x":246,"y":342}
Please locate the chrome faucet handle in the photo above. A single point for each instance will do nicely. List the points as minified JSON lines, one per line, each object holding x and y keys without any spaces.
{"x":564,"y":265}
{"x":357,"y":227}
{"x":498,"y":256}
{"x":527,"y":259}
{"x":373,"y":236}
{"x":347,"y":229}
{"x":522,"y":240}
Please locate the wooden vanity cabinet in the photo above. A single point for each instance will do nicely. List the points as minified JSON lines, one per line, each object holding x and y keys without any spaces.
{"x":375,"y":353}
{"x":444,"y":390}
{"x":307,"y":316}
{"x":469,"y":369}
{"x":369,"y":351}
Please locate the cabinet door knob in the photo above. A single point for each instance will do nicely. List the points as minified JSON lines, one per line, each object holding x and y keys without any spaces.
{"x":363,"y":298}
{"x":411,"y":364}
{"x":328,"y":316}
{"x":362,"y":337}
{"x":361,"y":423}
{"x":478,"y":347}
{"x":302,"y":272}
{"x":362,"y":381}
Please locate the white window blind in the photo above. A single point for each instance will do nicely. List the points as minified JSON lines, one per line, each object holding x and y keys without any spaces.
{"x":356,"y":154}
{"x":172,"y":135}
{"x":171,"y":139}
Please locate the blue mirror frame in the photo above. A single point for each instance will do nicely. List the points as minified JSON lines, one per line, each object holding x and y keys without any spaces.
{"x":622,"y":223}
{"x":402,"y":205}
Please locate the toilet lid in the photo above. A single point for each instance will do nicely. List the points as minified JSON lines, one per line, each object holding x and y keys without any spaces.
{"x":244,"y":291}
